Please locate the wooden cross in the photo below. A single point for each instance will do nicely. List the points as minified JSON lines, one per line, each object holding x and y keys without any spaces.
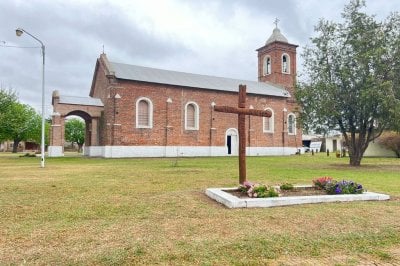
{"x":242,"y":111}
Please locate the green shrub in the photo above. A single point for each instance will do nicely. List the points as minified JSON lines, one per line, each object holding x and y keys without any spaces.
{"x":286,"y":186}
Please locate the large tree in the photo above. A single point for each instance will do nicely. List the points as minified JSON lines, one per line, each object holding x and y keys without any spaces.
{"x":19,"y":122}
{"x":75,"y":132}
{"x":352,"y":78}
{"x":6,"y":98}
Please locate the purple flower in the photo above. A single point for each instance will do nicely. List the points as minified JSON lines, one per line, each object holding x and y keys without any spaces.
{"x":247,"y":184}
{"x":338,"y":190}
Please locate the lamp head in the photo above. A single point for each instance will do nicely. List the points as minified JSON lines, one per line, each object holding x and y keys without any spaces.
{"x":19,"y":31}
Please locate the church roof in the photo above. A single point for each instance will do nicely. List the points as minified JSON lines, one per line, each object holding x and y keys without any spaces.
{"x":89,"y":101}
{"x":160,"y":76}
{"x":276,"y":36}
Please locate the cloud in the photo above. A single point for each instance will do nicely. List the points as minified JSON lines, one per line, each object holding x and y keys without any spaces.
{"x":214,"y":37}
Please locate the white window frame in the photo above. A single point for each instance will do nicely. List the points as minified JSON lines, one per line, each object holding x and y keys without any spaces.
{"x":265,"y":66}
{"x":272,"y":122}
{"x":294,"y":124}
{"x":196,"y":116}
{"x":287,"y":61}
{"x":150,"y":104}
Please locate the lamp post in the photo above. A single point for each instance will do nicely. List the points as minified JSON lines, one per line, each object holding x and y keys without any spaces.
{"x":19,"y":32}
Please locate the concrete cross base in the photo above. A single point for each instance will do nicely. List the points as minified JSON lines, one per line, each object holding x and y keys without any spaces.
{"x":220,"y":195}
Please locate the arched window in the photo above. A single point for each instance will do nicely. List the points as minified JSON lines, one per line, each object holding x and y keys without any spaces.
{"x":268,"y":122}
{"x":191,"y":116}
{"x":144,"y":113}
{"x":291,"y":124}
{"x":267,"y":65}
{"x":285,"y":64}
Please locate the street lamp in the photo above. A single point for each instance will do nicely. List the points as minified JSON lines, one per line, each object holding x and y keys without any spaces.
{"x":19,"y":32}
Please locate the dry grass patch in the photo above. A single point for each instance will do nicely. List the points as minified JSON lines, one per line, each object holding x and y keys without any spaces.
{"x":148,"y":211}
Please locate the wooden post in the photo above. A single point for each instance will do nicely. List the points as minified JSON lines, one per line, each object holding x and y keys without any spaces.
{"x":242,"y":135}
{"x":242,"y":111}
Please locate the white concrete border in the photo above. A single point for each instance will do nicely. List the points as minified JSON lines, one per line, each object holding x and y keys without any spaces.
{"x":230,"y":201}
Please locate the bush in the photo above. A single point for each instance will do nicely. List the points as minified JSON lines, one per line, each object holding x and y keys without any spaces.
{"x":322,"y":181}
{"x":286,"y":186}
{"x":254,"y":190}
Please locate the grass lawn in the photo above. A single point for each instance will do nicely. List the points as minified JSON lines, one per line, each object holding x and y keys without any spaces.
{"x":81,"y":210}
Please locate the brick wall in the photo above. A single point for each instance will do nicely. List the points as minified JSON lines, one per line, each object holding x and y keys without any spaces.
{"x":168,"y":118}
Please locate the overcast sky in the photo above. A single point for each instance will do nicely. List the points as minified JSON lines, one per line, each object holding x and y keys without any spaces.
{"x":212,"y":37}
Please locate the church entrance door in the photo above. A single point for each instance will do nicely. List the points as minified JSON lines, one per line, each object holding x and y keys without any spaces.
{"x":232,"y":141}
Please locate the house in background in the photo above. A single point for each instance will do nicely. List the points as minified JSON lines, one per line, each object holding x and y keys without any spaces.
{"x":28,"y":146}
{"x":335,"y":142}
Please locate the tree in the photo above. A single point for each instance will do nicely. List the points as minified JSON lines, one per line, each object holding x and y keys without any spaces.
{"x":352,"y":82}
{"x":75,"y":132}
{"x":391,"y":140}
{"x":19,"y":122}
{"x":7,"y":97}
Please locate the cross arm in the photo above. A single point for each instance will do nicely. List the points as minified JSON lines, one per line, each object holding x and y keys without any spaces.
{"x":244,"y":111}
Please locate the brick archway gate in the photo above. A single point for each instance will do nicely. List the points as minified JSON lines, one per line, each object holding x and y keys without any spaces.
{"x":88,"y":108}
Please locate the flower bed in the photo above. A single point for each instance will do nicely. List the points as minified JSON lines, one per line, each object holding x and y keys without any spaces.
{"x":322,"y":185}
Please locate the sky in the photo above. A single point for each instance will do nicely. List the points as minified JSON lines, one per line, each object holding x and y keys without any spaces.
{"x":210,"y":37}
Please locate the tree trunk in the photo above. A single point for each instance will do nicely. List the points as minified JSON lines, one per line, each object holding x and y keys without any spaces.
{"x":15,"y":146}
{"x":355,"y":160}
{"x":356,"y":152}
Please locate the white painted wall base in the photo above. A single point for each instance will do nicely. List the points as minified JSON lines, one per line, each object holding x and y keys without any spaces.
{"x":55,"y":151}
{"x":94,"y":151}
{"x":180,"y":151}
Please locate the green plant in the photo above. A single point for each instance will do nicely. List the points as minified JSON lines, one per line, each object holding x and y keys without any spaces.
{"x":28,"y":155}
{"x":287,"y":186}
{"x":254,"y":190}
{"x":343,"y":187}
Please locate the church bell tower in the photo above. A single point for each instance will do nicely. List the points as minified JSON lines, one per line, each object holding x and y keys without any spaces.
{"x":277,"y":61}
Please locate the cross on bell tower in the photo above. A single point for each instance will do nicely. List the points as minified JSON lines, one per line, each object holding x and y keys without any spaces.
{"x":276,"y":22}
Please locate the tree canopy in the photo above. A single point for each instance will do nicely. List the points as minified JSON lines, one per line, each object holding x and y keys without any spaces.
{"x":19,"y":122}
{"x":6,"y":98}
{"x":75,"y":131}
{"x":352,"y":78}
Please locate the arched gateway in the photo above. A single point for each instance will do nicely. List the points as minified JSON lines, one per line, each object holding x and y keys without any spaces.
{"x":88,"y":108}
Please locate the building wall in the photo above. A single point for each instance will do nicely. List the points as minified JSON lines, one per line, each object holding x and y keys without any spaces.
{"x":168,"y":118}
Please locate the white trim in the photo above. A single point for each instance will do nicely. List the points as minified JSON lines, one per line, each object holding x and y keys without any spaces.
{"x":150,"y":125}
{"x":294,"y":124}
{"x":272,"y":122}
{"x":196,"y":116}
{"x":55,"y":151}
{"x":179,"y":151}
{"x":234,"y":150}
{"x":288,"y":63}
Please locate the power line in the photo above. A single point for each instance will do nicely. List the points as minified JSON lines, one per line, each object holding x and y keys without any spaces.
{"x":15,"y":46}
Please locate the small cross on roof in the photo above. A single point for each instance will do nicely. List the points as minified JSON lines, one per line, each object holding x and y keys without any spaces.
{"x":276,"y":22}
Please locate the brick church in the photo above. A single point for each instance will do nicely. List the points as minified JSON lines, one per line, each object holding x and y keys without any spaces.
{"x":136,"y":111}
